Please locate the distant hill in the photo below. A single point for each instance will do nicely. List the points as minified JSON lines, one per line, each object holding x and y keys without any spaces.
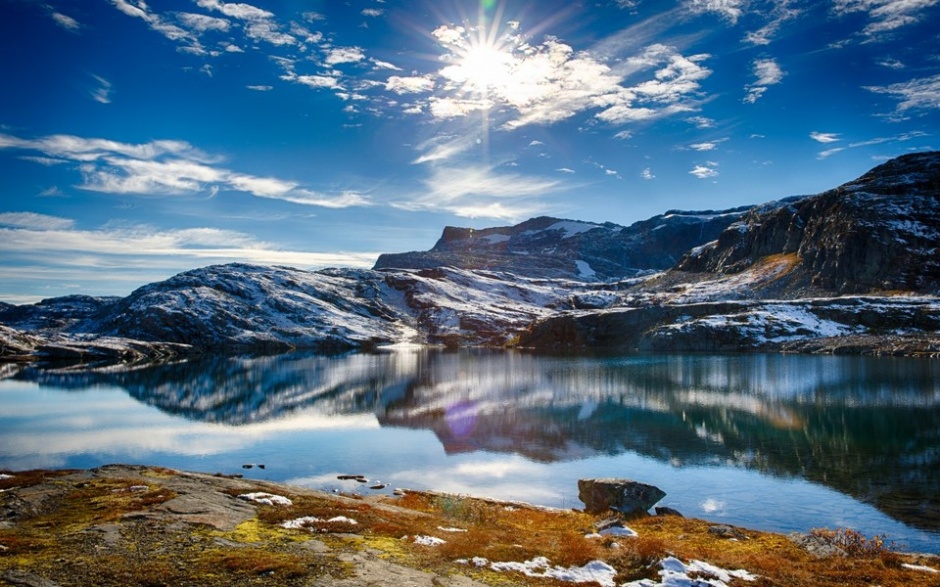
{"x":571,"y":249}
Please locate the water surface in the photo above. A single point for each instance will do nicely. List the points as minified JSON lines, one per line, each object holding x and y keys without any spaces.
{"x":774,"y":442}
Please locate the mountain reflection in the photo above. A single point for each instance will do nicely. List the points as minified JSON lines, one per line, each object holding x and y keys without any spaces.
{"x":866,"y":427}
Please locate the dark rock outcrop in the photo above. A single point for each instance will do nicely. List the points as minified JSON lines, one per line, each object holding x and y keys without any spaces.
{"x":630,"y":498}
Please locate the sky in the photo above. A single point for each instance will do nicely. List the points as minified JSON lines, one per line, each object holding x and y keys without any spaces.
{"x":141,"y":139}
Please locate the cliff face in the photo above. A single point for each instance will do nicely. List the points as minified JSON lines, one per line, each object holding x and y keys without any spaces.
{"x":877,"y":233}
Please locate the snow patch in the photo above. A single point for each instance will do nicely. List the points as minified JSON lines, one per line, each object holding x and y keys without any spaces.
{"x":494,"y":239}
{"x":310,"y":521}
{"x":594,"y":571}
{"x":429,"y":540}
{"x":584,"y":270}
{"x":675,"y":573}
{"x":266,"y":498}
{"x":572,"y":227}
{"x":453,"y":530}
{"x":923,"y":568}
{"x":5,"y":476}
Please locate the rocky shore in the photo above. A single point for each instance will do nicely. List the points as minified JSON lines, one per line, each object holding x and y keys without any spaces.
{"x":135,"y":525}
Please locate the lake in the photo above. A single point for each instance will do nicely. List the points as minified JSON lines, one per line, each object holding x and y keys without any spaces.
{"x":772,"y":442}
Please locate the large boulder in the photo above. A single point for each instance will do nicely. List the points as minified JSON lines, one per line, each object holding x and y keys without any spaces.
{"x":630,"y":498}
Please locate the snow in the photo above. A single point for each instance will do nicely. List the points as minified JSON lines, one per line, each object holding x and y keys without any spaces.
{"x":5,"y":476}
{"x":572,"y":227}
{"x":675,"y":573}
{"x":453,"y":530}
{"x":584,"y":270}
{"x":266,"y":498}
{"x":309,"y":521}
{"x":923,"y":568}
{"x":495,"y":239}
{"x":429,"y":540}
{"x":594,"y":571}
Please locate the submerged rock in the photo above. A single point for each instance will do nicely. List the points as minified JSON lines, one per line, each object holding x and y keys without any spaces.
{"x":628,"y":497}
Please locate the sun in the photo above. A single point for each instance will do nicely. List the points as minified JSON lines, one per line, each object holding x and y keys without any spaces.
{"x":483,"y":67}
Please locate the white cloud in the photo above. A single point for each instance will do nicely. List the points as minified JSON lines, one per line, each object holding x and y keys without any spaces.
{"x":728,"y":9}
{"x":885,"y":16}
{"x":623,"y":135}
{"x":319,"y":81}
{"x":202,"y":23}
{"x":707,"y":145}
{"x":768,"y":73}
{"x":701,"y":122}
{"x":781,"y":12}
{"x":891,"y":63}
{"x":409,"y":85}
{"x":384,"y":65}
{"x":916,"y":94}
{"x":268,"y":31}
{"x":166,"y":168}
{"x":903,"y":137}
{"x":704,"y":171}
{"x":171,"y":31}
{"x":830,"y":152}
{"x":236,"y":9}
{"x":565,"y":170}
{"x":647,"y":174}
{"x":338,"y":55}
{"x":65,"y":21}
{"x":260,"y":88}
{"x":373,"y":12}
{"x":824,"y":137}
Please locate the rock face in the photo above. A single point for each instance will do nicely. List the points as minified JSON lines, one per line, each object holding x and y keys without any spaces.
{"x":559,"y":248}
{"x":630,"y":498}
{"x":877,"y":233}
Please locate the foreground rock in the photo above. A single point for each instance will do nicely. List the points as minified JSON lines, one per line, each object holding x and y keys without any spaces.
{"x":630,"y":498}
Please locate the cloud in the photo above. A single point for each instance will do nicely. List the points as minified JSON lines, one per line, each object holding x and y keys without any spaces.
{"x":166,"y":168}
{"x":373,"y":12}
{"x":728,"y":9}
{"x":338,"y":55}
{"x":102,"y":93}
{"x":409,"y":85}
{"x":707,"y":145}
{"x":565,"y":170}
{"x":65,"y":21}
{"x":824,"y":137}
{"x":705,"y":171}
{"x":781,"y":12}
{"x":768,"y":73}
{"x":523,"y":83}
{"x":33,"y":221}
{"x":482,"y":192}
{"x":268,"y":31}
{"x":891,"y":63}
{"x":701,"y":122}
{"x":158,"y":23}
{"x":903,"y":137}
{"x":885,"y":16}
{"x":623,"y":135}
{"x":202,"y":23}
{"x":916,"y":94}
{"x":260,"y":88}
{"x":236,"y":10}
{"x":647,"y":174}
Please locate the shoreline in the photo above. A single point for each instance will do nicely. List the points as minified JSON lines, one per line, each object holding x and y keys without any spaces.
{"x":130,"y":524}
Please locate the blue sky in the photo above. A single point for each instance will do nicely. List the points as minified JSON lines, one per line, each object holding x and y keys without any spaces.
{"x":140,"y":139}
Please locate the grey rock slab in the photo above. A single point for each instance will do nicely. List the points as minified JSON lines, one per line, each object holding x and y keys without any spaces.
{"x":630,"y":498}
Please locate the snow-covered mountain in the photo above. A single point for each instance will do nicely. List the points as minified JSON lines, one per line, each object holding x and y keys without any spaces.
{"x":854,"y":269}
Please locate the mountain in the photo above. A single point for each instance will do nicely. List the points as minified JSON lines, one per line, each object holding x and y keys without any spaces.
{"x":853,"y":269}
{"x":557,"y":248}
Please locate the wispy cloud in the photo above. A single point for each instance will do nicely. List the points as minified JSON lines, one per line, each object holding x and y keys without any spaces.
{"x":824,"y":137}
{"x":768,"y":73}
{"x":165,"y":168}
{"x":900,"y":138}
{"x":102,"y":93}
{"x":708,"y":145}
{"x":483,"y":192}
{"x":916,"y":94}
{"x":728,"y":9}
{"x":885,"y":16}
{"x":780,"y":12}
{"x":647,"y":174}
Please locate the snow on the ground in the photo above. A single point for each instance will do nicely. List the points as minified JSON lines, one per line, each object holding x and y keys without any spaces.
{"x":266,"y":498}
{"x":675,"y":573}
{"x":453,"y":530}
{"x":614,"y":531}
{"x":923,"y":568}
{"x":429,"y":540}
{"x":573,"y":227}
{"x":311,"y":521}
{"x":595,"y":571}
{"x":584,"y":270}
{"x":5,"y":476}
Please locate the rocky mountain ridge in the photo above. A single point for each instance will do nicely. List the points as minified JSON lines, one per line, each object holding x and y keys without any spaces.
{"x":853,"y":269}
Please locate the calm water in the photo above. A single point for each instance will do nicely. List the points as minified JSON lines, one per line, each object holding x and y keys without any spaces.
{"x":773,"y":442}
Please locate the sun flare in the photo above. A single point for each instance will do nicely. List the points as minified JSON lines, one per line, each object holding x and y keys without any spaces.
{"x":485,"y":66}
